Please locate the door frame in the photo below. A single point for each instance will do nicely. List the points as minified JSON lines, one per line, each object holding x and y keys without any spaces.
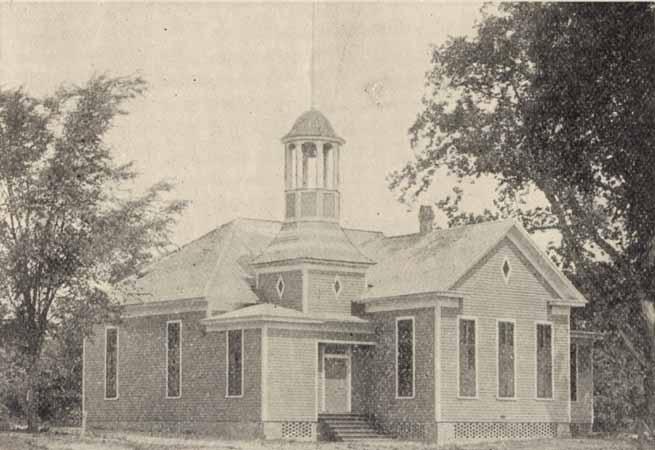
{"x":348,"y":357}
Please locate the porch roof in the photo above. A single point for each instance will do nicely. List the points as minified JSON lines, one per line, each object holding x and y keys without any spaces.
{"x":269,"y":312}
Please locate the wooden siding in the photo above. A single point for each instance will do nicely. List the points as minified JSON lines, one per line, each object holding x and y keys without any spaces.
{"x":363,"y":390}
{"x":292,"y":378}
{"x":523,"y":299}
{"x":292,"y":295}
{"x":385,"y":405}
{"x":582,"y":409}
{"x":321,"y":297}
{"x":142,"y":375}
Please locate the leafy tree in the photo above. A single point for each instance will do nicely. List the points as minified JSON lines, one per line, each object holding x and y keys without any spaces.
{"x":557,"y":100}
{"x":69,"y":227}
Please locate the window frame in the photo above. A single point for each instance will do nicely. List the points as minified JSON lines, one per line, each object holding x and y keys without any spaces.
{"x":278,"y":290}
{"x":507,"y":277}
{"x":574,"y":345}
{"x":397,"y":342}
{"x":477,"y":357}
{"x":536,"y":360}
{"x":337,"y":279}
{"x":179,"y":322}
{"x":497,"y":351}
{"x":227,"y":363}
{"x":107,"y":328}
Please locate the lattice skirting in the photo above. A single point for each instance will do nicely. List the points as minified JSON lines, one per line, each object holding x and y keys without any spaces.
{"x":298,"y":430}
{"x":488,"y":431}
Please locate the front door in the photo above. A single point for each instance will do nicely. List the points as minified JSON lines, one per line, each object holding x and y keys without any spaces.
{"x":336,"y":383}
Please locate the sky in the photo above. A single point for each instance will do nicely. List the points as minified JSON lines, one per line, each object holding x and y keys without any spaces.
{"x":226,"y":82}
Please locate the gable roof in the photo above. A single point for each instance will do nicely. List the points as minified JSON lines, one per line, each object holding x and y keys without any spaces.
{"x":429,"y":262}
{"x":436,"y":261}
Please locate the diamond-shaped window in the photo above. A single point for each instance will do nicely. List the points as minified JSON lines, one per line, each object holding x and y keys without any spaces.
{"x":507,"y":270}
{"x":337,"y":286}
{"x":279,"y":286}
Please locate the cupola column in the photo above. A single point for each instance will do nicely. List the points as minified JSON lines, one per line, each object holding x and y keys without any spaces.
{"x":320,"y":164}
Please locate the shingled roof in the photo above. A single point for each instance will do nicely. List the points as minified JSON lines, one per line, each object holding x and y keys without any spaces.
{"x":428,"y":262}
{"x":312,"y":124}
{"x":217,"y":266}
{"x":436,"y":261}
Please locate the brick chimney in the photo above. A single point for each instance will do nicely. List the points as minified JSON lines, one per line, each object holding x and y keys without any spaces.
{"x":425,"y":219}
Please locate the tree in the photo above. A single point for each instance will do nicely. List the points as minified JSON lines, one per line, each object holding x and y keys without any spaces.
{"x":69,"y":227}
{"x":556,"y":99}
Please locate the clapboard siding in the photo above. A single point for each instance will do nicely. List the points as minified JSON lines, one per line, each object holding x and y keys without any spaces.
{"x":142,"y":375}
{"x":322,"y":299}
{"x":292,"y":375}
{"x":385,"y":405}
{"x":292,"y":294}
{"x":582,"y":409}
{"x":524,"y":299}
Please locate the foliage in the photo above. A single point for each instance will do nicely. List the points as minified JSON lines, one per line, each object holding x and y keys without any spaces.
{"x":558,"y":99}
{"x":69,"y":226}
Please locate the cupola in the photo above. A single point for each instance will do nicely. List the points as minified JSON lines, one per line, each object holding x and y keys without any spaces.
{"x":312,"y":169}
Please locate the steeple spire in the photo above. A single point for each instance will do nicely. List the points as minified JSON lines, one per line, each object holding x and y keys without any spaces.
{"x":312,"y":81}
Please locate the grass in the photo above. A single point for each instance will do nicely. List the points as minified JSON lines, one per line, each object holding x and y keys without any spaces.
{"x":137,"y":441}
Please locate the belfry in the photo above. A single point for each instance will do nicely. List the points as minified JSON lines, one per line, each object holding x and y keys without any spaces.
{"x":311,"y":233}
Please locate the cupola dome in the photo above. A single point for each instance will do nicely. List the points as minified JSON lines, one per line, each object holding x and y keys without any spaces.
{"x":312,"y":124}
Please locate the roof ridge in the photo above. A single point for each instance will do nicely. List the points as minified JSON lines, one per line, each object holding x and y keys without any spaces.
{"x":458,"y":227}
{"x":363,"y":229}
{"x":356,"y":247}
{"x":257,"y":219}
{"x":204,"y":235}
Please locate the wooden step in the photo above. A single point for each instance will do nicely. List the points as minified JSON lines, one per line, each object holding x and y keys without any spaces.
{"x":348,"y":416}
{"x":351,"y":427}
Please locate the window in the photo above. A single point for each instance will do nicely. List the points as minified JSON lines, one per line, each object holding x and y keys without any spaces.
{"x":279,"y":286}
{"x":405,"y":357}
{"x":173,"y":359}
{"x":234,"y":363}
{"x":544,"y":360}
{"x":506,"y":360}
{"x":467,"y":358}
{"x":574,"y":373}
{"x":507,"y":270}
{"x":337,"y":286}
{"x":111,"y":363}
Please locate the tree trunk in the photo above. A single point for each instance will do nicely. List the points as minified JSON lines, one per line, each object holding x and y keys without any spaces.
{"x":648,"y":310}
{"x":31,"y":396}
{"x":649,"y":393}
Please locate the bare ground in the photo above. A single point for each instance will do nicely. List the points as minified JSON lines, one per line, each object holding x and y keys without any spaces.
{"x":138,"y":441}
